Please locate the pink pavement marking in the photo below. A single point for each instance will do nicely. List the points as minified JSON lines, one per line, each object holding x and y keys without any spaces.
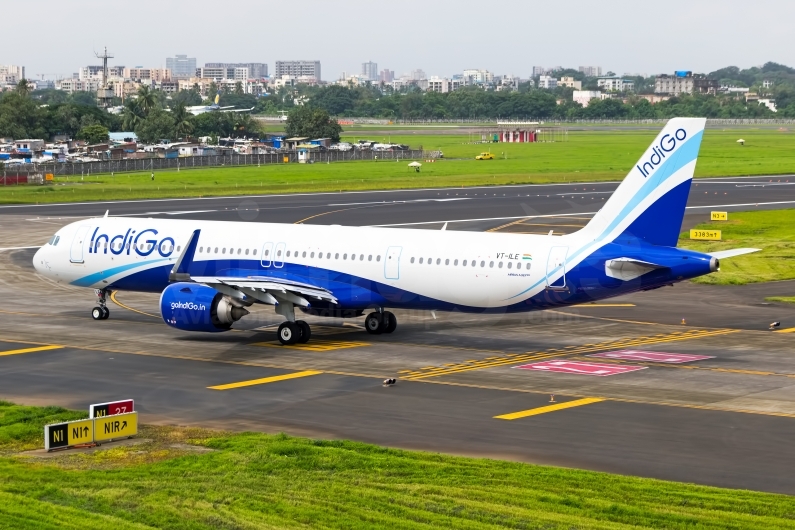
{"x":651,"y":356}
{"x":581,"y":368}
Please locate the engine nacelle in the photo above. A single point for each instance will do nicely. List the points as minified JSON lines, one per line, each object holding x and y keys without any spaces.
{"x":196,"y":307}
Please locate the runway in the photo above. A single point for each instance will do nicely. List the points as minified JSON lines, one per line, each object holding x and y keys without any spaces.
{"x":726,"y":419}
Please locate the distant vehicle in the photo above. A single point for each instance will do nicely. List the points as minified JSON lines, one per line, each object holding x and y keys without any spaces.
{"x":485,"y":156}
{"x":201,"y":109}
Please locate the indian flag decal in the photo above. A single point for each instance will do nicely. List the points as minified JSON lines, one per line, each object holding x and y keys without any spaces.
{"x":527,"y":256}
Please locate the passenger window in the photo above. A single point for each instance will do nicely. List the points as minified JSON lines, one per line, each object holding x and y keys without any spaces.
{"x":464,"y":263}
{"x":288,"y":253}
{"x":482,"y":263}
{"x":178,"y":249}
{"x":246,"y":252}
{"x":304,"y":255}
{"x":239,"y":251}
{"x":223,"y":250}
{"x":430,"y":261}
{"x":353,"y":257}
{"x":491,"y":264}
{"x":312,"y":255}
{"x":337,"y":255}
{"x":216,"y":250}
{"x":438,"y":261}
{"x":378,"y":258}
{"x":412,"y":260}
{"x":254,"y":251}
{"x":361,"y":257}
{"x":528,"y":266}
{"x":456,"y":263}
{"x":266,"y":252}
{"x":370,"y":257}
{"x":278,"y":253}
{"x":328,"y":255}
{"x":510,"y":264}
{"x":499,"y":264}
{"x":420,"y":261}
{"x":447,"y":262}
{"x":345,"y":256}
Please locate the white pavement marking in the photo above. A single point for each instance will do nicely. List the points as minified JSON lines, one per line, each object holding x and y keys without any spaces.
{"x":18,"y":248}
{"x":488,"y":219}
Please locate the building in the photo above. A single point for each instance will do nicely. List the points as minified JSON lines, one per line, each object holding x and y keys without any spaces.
{"x":478,"y":77}
{"x":76,"y":85}
{"x":443,"y":84}
{"x":616,"y":84}
{"x":370,"y":71}
{"x":155,"y":74}
{"x":569,"y":82}
{"x":10,"y":75}
{"x":417,"y":75}
{"x":769,"y":103}
{"x":584,"y":97}
{"x":547,"y":81}
{"x":684,"y":82}
{"x":181,"y":66}
{"x":298,"y":69}
{"x":255,"y":70}
{"x":591,"y":71}
{"x":87,"y":73}
{"x":224,"y":72}
{"x":386,"y":76}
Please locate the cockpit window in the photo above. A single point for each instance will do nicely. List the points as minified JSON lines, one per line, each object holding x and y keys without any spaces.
{"x":54,"y":240}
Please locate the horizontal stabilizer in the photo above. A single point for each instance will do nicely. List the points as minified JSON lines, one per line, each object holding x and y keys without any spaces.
{"x":723,"y":254}
{"x":628,"y":268}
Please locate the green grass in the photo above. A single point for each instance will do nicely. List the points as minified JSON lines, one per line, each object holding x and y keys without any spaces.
{"x":771,"y":230}
{"x":587,"y":156}
{"x":276,"y":481}
{"x":783,"y":299}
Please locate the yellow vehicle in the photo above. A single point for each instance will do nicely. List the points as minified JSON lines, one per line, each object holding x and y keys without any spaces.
{"x":485,"y":156}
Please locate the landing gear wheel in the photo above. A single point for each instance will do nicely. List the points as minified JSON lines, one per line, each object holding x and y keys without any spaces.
{"x":390,"y":322}
{"x":105,"y":313}
{"x":306,"y":331}
{"x":374,"y":323}
{"x":289,"y":333}
{"x":97,"y":313}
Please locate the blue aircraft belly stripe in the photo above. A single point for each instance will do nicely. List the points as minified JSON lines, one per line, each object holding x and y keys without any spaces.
{"x":91,"y":279}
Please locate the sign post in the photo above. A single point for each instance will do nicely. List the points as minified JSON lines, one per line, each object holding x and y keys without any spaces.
{"x":111,"y":408}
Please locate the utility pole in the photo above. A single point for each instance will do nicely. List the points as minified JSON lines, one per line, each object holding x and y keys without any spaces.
{"x":104,"y":93}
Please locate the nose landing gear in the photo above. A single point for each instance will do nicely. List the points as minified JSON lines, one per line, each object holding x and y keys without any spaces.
{"x":101,"y":312}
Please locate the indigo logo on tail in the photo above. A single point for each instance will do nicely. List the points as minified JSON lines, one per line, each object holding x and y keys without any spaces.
{"x":659,"y":152}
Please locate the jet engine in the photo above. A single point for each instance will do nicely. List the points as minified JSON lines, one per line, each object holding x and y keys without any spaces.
{"x":195,"y":307}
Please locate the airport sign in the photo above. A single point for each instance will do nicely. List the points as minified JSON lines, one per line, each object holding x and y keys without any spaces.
{"x":719,"y":216}
{"x":68,"y":434}
{"x":117,"y":426}
{"x":111,"y":408}
{"x":706,"y":235}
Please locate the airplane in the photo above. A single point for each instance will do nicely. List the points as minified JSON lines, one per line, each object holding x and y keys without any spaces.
{"x":209,"y":273}
{"x":201,"y":109}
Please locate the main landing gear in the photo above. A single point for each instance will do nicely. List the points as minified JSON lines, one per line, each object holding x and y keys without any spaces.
{"x":101,"y":312}
{"x":380,"y":322}
{"x":294,"y":332}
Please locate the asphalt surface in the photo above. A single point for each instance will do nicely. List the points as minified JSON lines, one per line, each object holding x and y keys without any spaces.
{"x":725,"y":420}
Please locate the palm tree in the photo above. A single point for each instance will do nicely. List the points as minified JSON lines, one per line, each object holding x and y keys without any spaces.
{"x":132,"y":116}
{"x":23,"y":89}
{"x":146,"y":99}
{"x":182,"y":121}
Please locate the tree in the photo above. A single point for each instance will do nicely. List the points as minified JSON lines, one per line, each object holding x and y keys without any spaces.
{"x":239,"y":88}
{"x":182,"y":121}
{"x":158,"y":125}
{"x":146,"y":99}
{"x":312,"y":123}
{"x":23,"y":89}
{"x":93,"y":134}
{"x":132,"y":115}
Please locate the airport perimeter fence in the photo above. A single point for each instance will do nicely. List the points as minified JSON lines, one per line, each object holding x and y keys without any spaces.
{"x":34,"y":173}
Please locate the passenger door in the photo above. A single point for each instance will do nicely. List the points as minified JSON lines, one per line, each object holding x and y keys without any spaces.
{"x":556,"y":267}
{"x":392,"y":263}
{"x":278,"y":258}
{"x":78,"y":245}
{"x":267,"y":254}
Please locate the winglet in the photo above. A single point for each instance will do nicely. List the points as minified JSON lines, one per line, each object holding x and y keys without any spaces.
{"x":444,"y":227}
{"x":179,"y":273}
{"x":723,"y":254}
{"x":106,"y":213}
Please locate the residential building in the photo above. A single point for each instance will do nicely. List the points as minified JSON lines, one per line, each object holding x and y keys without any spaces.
{"x":591,"y":71}
{"x":615,"y":84}
{"x":769,"y":103}
{"x":181,"y":66}
{"x":767,"y":83}
{"x":292,"y":80}
{"x":439,"y":84}
{"x":539,"y":70}
{"x":238,"y":74}
{"x":547,"y":81}
{"x":155,"y":74}
{"x":125,"y":88}
{"x":77,"y":85}
{"x":386,"y":76}
{"x":417,"y":74}
{"x":370,"y":71}
{"x":255,"y":70}
{"x":570,"y":83}
{"x":684,"y":82}
{"x":10,"y":75}
{"x":95,"y":72}
{"x":507,"y":82}
{"x":479,"y":77}
{"x":584,"y":97}
{"x":297,"y":68}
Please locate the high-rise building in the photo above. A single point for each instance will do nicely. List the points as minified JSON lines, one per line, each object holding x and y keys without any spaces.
{"x":386,"y":76}
{"x":255,"y":70}
{"x":297,"y":68}
{"x":547,"y":81}
{"x":228,"y":72}
{"x":11,"y":75}
{"x":181,"y":66}
{"x":539,"y":70}
{"x":370,"y":70}
{"x":591,"y":71}
{"x":417,"y":74}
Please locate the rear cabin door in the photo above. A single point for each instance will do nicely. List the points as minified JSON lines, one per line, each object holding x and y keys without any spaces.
{"x":392,"y":263}
{"x":556,"y":268}
{"x":78,"y":244}
{"x":278,"y":258}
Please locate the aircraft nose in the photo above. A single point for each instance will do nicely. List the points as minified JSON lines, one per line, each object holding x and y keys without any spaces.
{"x":38,"y":260}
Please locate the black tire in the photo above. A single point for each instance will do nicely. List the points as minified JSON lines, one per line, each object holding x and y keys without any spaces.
{"x":105,"y":313}
{"x":390,"y":322}
{"x":288,"y":333}
{"x":97,"y":313}
{"x":306,"y":331}
{"x":374,"y":324}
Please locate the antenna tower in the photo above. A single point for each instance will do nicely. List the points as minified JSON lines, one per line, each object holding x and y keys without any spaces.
{"x":104,"y":93}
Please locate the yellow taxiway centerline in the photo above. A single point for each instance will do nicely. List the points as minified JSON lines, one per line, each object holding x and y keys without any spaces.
{"x":31,"y":350}
{"x":265,"y":380}
{"x":548,"y":408}
{"x":786,"y":330}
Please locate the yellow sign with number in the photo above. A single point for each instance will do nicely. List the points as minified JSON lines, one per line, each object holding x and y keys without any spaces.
{"x":719,"y":216}
{"x":706,"y":235}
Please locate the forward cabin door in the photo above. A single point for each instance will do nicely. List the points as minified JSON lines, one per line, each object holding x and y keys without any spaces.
{"x":278,"y":259}
{"x":78,"y":244}
{"x":267,"y":254}
{"x":392,"y":263}
{"x":556,"y":268}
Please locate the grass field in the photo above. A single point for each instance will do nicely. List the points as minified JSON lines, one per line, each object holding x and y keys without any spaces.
{"x":587,"y":156}
{"x":275,"y":481}
{"x":771,"y":230}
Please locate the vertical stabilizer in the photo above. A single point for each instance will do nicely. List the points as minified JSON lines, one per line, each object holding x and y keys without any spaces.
{"x":650,"y":203}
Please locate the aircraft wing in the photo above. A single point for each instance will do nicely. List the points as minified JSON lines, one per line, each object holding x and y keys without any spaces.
{"x":237,"y":110}
{"x":267,"y":290}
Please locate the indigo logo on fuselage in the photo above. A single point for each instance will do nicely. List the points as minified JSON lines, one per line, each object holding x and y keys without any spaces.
{"x":128,"y":242}
{"x":660,"y":151}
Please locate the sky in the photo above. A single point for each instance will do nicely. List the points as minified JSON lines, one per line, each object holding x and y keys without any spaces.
{"x":441,"y":38}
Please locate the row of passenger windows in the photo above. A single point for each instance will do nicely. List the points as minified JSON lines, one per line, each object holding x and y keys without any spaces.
{"x":473,"y":263}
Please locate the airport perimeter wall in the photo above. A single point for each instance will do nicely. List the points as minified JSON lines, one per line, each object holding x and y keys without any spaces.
{"x":31,"y":172}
